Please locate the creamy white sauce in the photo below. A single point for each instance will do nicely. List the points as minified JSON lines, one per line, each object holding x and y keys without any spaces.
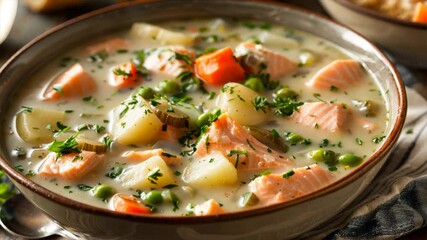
{"x":108,"y":97}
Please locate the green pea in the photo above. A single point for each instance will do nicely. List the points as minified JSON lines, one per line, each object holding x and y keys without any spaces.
{"x":103,"y":191}
{"x":153,"y":197}
{"x":327,"y":156}
{"x":255,"y":84}
{"x":203,"y":119}
{"x":349,"y":159}
{"x":146,"y":92}
{"x":294,"y":138}
{"x":286,"y":93}
{"x":169,"y":87}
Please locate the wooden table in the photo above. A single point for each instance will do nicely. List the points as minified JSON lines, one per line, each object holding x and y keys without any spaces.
{"x":28,"y":25}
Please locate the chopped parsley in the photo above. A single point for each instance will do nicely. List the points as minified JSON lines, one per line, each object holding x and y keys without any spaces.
{"x":114,"y":172}
{"x":70,"y":145}
{"x":288,"y":174}
{"x":378,"y":139}
{"x":154,"y":175}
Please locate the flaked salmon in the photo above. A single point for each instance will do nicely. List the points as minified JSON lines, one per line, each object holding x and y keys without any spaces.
{"x":275,"y":188}
{"x":322,"y":115}
{"x":340,"y":74}
{"x":230,"y":139}
{"x":170,"y":61}
{"x":259,"y":59}
{"x":108,"y":46}
{"x":139,"y":156}
{"x":73,"y":82}
{"x":71,"y":166}
{"x":210,"y":207}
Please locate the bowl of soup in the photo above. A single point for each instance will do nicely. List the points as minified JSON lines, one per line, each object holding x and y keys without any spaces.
{"x":398,"y":26}
{"x":197,"y":120}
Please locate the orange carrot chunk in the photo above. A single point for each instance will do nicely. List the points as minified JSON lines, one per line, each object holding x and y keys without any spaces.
{"x":420,"y":14}
{"x":129,"y":204}
{"x":73,"y":82}
{"x":219,"y":67}
{"x":125,"y":75}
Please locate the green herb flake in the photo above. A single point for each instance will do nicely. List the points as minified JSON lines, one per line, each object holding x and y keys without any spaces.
{"x":27,"y":109}
{"x":266,"y":172}
{"x":154,"y":175}
{"x":288,"y":174}
{"x":114,"y":172}
{"x":84,"y":187}
{"x":378,"y":139}
{"x":359,"y":141}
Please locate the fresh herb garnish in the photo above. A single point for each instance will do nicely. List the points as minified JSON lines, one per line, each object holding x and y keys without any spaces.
{"x":154,"y":175}
{"x":70,"y":145}
{"x":288,"y":174}
{"x":114,"y":172}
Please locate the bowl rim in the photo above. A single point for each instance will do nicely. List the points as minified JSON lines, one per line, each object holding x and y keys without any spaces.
{"x":381,"y":16}
{"x":362,"y":169}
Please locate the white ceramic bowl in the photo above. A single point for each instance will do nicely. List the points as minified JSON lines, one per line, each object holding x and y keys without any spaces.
{"x":280,"y":221}
{"x":406,"y":41}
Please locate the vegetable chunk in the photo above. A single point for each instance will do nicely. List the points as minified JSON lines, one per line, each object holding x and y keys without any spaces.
{"x":137,"y":125}
{"x":37,"y":125}
{"x":152,"y":173}
{"x":239,"y":102}
{"x":219,"y":67}
{"x":124,"y":76}
{"x":165,"y":37}
{"x":212,"y":170}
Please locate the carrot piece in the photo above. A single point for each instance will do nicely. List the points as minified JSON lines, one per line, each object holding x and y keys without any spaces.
{"x":219,"y":67}
{"x":420,"y":14}
{"x":125,"y":75}
{"x":73,"y":82}
{"x":129,"y":204}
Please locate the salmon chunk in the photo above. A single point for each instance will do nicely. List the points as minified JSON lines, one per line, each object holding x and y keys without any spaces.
{"x":321,"y":115}
{"x":259,"y":59}
{"x":340,"y":74}
{"x":108,"y":46}
{"x":73,"y":82}
{"x":72,"y":166}
{"x":139,"y":156}
{"x":210,"y":207}
{"x":229,"y":138}
{"x":170,"y":61}
{"x":275,"y":188}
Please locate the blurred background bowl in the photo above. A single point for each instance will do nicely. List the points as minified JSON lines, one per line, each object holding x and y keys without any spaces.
{"x":405,"y":41}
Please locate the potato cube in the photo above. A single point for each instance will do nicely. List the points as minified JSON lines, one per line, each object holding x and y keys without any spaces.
{"x":213,"y":170}
{"x":137,"y":125}
{"x":36,"y":125}
{"x":152,"y":173}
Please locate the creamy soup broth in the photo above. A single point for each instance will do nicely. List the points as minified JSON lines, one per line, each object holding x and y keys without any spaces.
{"x":99,"y":110}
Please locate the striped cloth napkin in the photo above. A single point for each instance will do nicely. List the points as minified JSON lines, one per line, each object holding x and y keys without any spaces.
{"x":395,"y":203}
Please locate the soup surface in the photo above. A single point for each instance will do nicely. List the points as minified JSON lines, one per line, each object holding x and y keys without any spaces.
{"x":196,"y":117}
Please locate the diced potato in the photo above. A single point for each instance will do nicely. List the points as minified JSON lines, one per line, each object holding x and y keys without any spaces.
{"x":237,"y":100}
{"x":138,"y":125}
{"x":273,"y":40}
{"x":213,"y":170}
{"x":36,"y":126}
{"x":152,"y":173}
{"x":164,"y":36}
